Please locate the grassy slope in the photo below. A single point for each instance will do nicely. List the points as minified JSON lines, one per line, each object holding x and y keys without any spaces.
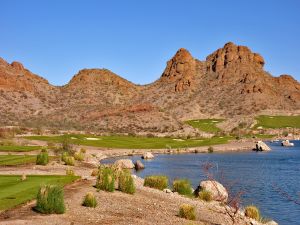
{"x":12,"y":160}
{"x":206,"y":125}
{"x":278,"y":121}
{"x":16,"y":148}
{"x":133,"y":142}
{"x":13,"y":191}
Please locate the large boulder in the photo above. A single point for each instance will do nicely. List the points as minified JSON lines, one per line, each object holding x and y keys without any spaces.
{"x":139,"y":165}
{"x":218,"y":191}
{"x":124,"y":164}
{"x":262,"y":146}
{"x":147,"y":155}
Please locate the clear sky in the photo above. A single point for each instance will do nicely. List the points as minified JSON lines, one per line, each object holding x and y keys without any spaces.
{"x":135,"y":38}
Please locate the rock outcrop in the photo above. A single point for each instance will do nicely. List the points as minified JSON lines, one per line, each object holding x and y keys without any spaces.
{"x":181,"y":70}
{"x":147,"y":155}
{"x":218,"y":191}
{"x":262,"y":146}
{"x":124,"y":164}
{"x":139,"y":165}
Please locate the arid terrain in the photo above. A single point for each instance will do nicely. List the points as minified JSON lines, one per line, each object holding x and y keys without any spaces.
{"x":231,"y":83}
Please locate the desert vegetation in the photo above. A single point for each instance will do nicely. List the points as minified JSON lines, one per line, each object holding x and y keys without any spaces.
{"x":183,"y":187}
{"x":156,"y":181}
{"x":187,"y":211}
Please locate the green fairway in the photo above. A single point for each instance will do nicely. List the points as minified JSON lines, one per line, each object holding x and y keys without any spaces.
{"x":130,"y":142}
{"x":13,"y":191}
{"x":16,"y":148}
{"x":206,"y":125}
{"x":13,"y":160}
{"x":277,"y":122}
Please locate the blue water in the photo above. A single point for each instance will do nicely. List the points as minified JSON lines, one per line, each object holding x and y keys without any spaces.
{"x":259,"y":175}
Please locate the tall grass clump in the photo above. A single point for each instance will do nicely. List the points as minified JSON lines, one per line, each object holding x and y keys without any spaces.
{"x":106,"y":179}
{"x":67,"y":159}
{"x":157,"y":182}
{"x":205,"y":195}
{"x":183,"y":187}
{"x":126,"y":183}
{"x":79,"y":156}
{"x":187,"y":211}
{"x":253,"y":212}
{"x":89,"y":200}
{"x":50,"y":199}
{"x":42,"y":158}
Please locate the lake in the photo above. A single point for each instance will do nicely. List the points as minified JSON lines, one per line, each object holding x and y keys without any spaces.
{"x":263,"y":177}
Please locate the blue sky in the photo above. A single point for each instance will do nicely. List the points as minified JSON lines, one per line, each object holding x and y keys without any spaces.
{"x":135,"y":38}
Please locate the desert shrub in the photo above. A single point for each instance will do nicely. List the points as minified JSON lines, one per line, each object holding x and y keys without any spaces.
{"x":94,"y":172}
{"x":183,"y":187}
{"x":42,"y":158}
{"x":210,"y":149}
{"x":205,"y":195}
{"x":89,"y":200}
{"x":66,"y":146}
{"x":50,"y":199}
{"x":83,"y":150}
{"x":126,"y":183}
{"x":70,"y":172}
{"x":79,"y":156}
{"x":67,"y":159}
{"x":252,"y":212}
{"x":157,"y":182}
{"x":187,"y":211}
{"x":106,"y":179}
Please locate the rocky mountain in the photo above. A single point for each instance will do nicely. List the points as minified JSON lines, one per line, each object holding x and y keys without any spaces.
{"x":230,"y":83}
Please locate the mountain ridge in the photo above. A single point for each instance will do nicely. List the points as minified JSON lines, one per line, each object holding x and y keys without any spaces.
{"x":231,"y":82}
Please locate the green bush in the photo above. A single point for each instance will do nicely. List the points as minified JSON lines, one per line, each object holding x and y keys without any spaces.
{"x":89,"y":200}
{"x":126,"y":183}
{"x":67,"y":159}
{"x":210,"y":149}
{"x":252,"y":212}
{"x":187,"y":211}
{"x":42,"y":158}
{"x":70,"y":172}
{"x":79,"y":156}
{"x":158,"y":182}
{"x":50,"y":199}
{"x":106,"y":179}
{"x":205,"y":195}
{"x":183,"y":187}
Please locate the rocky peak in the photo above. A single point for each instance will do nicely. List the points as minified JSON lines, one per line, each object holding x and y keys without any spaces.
{"x":232,"y":55}
{"x":181,"y":69}
{"x":17,"y":66}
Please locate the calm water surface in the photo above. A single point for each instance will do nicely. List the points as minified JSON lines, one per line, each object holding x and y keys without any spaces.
{"x":258,"y":174}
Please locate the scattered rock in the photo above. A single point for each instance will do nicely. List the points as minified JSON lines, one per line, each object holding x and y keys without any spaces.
{"x":139,"y":165}
{"x":167,"y":190}
{"x":262,"y":146}
{"x":218,"y":191}
{"x":147,"y":155}
{"x":124,"y":164}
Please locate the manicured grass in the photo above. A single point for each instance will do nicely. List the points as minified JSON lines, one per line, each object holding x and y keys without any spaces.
{"x":207,"y":125}
{"x":13,"y":160}
{"x":130,"y":142}
{"x":13,"y":191}
{"x":16,"y":148}
{"x":277,"y":121}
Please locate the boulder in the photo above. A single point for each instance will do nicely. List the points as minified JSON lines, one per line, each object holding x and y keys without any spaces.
{"x":147,"y":155}
{"x":166,"y":190}
{"x":272,"y":222}
{"x":262,"y":146}
{"x":218,"y":191}
{"x":139,"y":165}
{"x":124,"y":164}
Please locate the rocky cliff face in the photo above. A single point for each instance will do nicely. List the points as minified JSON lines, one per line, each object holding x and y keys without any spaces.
{"x":230,"y":83}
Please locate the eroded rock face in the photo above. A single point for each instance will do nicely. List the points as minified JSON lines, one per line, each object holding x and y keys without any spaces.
{"x":232,"y":55}
{"x":181,"y":70}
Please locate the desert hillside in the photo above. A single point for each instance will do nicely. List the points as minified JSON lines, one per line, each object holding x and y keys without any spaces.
{"x":230,"y":83}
